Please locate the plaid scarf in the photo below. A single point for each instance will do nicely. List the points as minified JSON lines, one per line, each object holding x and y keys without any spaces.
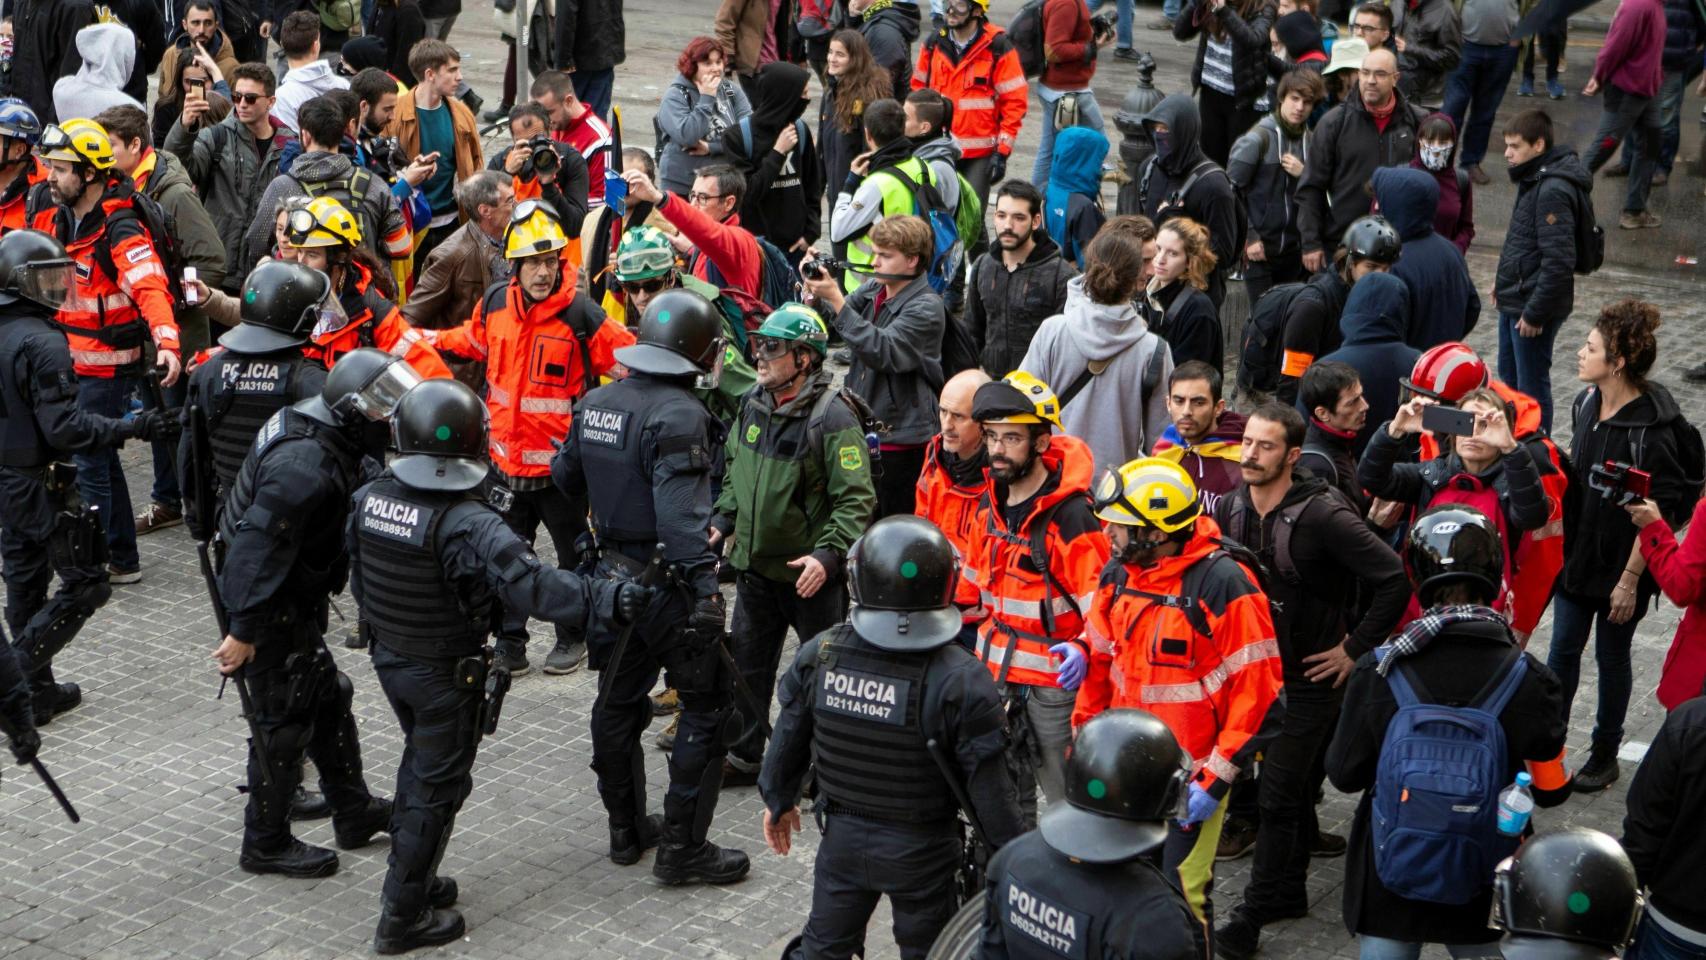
{"x":1425,"y":628}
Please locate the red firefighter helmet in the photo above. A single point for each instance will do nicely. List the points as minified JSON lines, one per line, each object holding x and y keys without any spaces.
{"x":1447,"y":372}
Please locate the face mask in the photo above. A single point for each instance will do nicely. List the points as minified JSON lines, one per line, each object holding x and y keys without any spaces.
{"x":1163,"y":144}
{"x":1435,"y":157}
{"x":5,"y":48}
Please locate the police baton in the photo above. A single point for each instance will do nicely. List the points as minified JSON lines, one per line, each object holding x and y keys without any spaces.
{"x":46,"y":778}
{"x":648,"y":578}
{"x":972,"y":866}
{"x":753,"y":704}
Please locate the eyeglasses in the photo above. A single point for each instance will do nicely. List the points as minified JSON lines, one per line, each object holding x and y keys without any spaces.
{"x":654,"y":285}
{"x":1378,"y":74}
{"x":769,"y":348}
{"x":697,"y":197}
{"x":247,"y":98}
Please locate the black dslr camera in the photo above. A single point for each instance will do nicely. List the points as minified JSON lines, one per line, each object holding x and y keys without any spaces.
{"x":544,"y":158}
{"x":821,"y":268}
{"x":385,"y":157}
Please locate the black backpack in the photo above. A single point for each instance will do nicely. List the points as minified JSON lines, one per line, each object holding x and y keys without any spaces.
{"x":1261,"y":354}
{"x":1590,"y":236}
{"x":1026,"y":34}
{"x":162,"y":230}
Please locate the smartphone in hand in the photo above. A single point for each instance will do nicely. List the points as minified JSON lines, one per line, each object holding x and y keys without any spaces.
{"x":1438,"y":418}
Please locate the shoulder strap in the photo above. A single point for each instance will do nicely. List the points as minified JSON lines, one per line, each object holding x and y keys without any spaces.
{"x":1197,"y":173}
{"x":1398,"y":680}
{"x":1515,"y":668}
{"x":1462,"y":181}
{"x":1324,"y":454}
{"x":745,"y":127}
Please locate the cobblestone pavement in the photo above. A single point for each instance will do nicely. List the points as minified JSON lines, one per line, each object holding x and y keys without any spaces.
{"x":153,"y":761}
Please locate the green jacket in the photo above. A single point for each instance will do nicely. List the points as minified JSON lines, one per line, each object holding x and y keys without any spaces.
{"x":792,"y":487}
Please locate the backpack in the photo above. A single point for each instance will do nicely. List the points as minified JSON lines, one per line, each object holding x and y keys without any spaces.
{"x":1095,"y":368}
{"x":1025,"y":32}
{"x":968,"y":216}
{"x":1190,"y":584}
{"x":777,"y":281}
{"x":928,"y":204}
{"x":1590,"y":236}
{"x":1261,"y":357}
{"x":337,"y":16}
{"x":352,"y":193}
{"x":162,"y":230}
{"x":873,"y":429}
{"x":1690,"y":450}
{"x":1436,"y":789}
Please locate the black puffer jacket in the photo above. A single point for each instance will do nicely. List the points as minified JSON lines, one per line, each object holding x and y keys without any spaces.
{"x":591,"y":34}
{"x":1005,"y":307}
{"x":1433,"y":43}
{"x":1249,"y":43}
{"x":1536,"y":277}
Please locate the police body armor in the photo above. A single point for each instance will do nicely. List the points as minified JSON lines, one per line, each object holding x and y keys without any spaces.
{"x":869,"y":746}
{"x":247,"y":390}
{"x":610,"y":425}
{"x":22,"y":443}
{"x":408,"y":604}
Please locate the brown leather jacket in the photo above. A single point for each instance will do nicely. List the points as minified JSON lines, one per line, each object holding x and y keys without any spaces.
{"x":450,"y":284}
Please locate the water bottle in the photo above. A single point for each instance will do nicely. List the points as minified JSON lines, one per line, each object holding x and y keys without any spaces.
{"x":1516,"y":805}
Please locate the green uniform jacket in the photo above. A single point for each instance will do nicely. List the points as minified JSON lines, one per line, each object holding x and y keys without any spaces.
{"x":791,"y":488}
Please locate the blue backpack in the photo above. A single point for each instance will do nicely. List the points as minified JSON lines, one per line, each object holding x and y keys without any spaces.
{"x":1436,"y":791}
{"x":947,"y":251}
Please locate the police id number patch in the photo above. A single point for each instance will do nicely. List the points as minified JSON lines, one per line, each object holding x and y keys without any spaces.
{"x":607,"y":428}
{"x":395,"y":519}
{"x":864,"y":696}
{"x":253,"y":377}
{"x":1038,"y":919}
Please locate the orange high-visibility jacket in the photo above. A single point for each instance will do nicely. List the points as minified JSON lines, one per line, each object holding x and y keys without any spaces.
{"x":377,"y":323}
{"x":957,"y":511}
{"x":14,"y":200}
{"x":1034,"y":606}
{"x":985,"y":84}
{"x":1191,"y":640}
{"x":110,"y":312}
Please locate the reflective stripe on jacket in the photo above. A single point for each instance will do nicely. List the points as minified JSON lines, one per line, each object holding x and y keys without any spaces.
{"x":985,"y":84}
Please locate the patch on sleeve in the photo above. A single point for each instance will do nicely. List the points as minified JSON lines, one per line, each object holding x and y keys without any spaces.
{"x":138,"y":253}
{"x":852,"y":458}
{"x":1551,"y":219}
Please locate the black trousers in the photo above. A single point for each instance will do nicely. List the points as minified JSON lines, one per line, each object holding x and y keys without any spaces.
{"x":36,"y":542}
{"x":565,"y":519}
{"x":764,"y":610}
{"x":897,"y":488}
{"x":302,"y":707}
{"x":858,"y":862}
{"x":1293,"y":766}
{"x":439,"y":721}
{"x":1223,"y":122}
{"x":625,"y":711}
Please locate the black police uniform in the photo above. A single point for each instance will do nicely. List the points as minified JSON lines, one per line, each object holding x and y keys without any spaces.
{"x":46,"y":531}
{"x":862,"y":715}
{"x":1044,"y":905}
{"x":429,"y":570}
{"x":646,"y":443}
{"x":282,"y":524}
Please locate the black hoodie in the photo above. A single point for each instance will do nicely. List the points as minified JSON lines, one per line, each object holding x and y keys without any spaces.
{"x":784,"y":192}
{"x":1211,"y":200}
{"x":890,"y":32}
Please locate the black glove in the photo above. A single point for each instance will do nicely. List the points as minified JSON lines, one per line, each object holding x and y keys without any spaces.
{"x":997,"y":169}
{"x":151,"y":425}
{"x":25,"y":745}
{"x":705,"y":626}
{"x":631,"y":600}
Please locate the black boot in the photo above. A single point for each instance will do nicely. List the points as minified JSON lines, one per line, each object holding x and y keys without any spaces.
{"x":358,"y":829}
{"x":54,"y":699}
{"x":442,"y":893}
{"x":429,"y":928}
{"x":1239,"y":939}
{"x":680,"y":861}
{"x":629,"y":841}
{"x":308,"y":805}
{"x":294,"y":859}
{"x":1599,"y":772}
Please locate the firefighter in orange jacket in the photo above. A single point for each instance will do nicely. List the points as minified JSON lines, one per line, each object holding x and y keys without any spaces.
{"x":973,"y":64}
{"x":1182,"y":629}
{"x":1037,"y":567}
{"x":950,"y":488}
{"x":325,"y":236}
{"x":20,"y":170}
{"x":545,"y":345}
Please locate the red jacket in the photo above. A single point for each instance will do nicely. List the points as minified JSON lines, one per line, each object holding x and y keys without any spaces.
{"x":1070,"y":57}
{"x":727,"y":246}
{"x":1680,"y":570}
{"x":590,"y":135}
{"x":985,"y":84}
{"x":15,"y":200}
{"x":958,"y":512}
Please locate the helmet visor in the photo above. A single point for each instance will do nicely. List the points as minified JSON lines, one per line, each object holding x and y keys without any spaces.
{"x":47,"y":282}
{"x":711,"y":377}
{"x":379,"y":399}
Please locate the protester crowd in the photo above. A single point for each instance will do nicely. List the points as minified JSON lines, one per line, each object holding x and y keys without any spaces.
{"x":1228,"y":528}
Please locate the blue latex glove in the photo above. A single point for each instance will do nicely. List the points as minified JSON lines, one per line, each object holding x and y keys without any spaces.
{"x":1073,"y":665}
{"x":1198,"y":807}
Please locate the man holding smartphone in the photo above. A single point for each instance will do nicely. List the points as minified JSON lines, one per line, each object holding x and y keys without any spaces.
{"x":431,"y":124}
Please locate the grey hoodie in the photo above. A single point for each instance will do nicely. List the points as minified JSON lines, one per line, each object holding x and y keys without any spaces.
{"x":376,"y":213}
{"x":301,"y":85}
{"x":1117,"y":414}
{"x":109,"y":53}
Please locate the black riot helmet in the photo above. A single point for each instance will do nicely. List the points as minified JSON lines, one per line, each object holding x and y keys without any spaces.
{"x":904,"y":572}
{"x":440,"y":433}
{"x":680,"y":335}
{"x":1126,"y":776}
{"x":280,"y":305}
{"x":34,"y":267}
{"x":1454,"y":543}
{"x":1566,"y":895}
{"x":1372,"y":238}
{"x":363,"y":387}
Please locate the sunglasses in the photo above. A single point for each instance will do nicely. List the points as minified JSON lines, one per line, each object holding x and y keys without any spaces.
{"x":247,"y":98}
{"x":654,"y":285}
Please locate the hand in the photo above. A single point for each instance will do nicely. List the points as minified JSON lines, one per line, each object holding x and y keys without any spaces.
{"x":1385,"y":513}
{"x":1521,"y":639}
{"x":1408,"y":419}
{"x":174,"y":366}
{"x":207,"y":63}
{"x":1293,"y":164}
{"x":1255,"y":252}
{"x":25,"y":745}
{"x":1400,"y":42}
{"x":714,"y":537}
{"x":420,"y":169}
{"x":1592,"y":87}
{"x":202,"y":295}
{"x":233,"y":654}
{"x":706,"y":622}
{"x":812,"y":575}
{"x":148,"y":425}
{"x":1313,"y":260}
{"x":1334,"y":665}
{"x":779,"y":832}
{"x":1623,"y":599}
{"x":708,"y":80}
{"x":515,"y":160}
{"x":799,"y":245}
{"x":266,"y":29}
{"x":1198,"y":807}
{"x":1642,"y":512}
{"x":861,"y":164}
{"x":698,"y":148}
{"x":631,"y":600}
{"x":787,"y":140}
{"x":1526,"y":329}
{"x":195,"y":109}
{"x":997,"y":168}
{"x":640,"y":187}
{"x":1073,"y":665}
{"x":1497,"y":432}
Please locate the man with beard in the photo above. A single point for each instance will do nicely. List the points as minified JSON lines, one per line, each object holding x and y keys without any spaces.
{"x":1319,"y":553}
{"x":1180,"y":627}
{"x":1038,"y":564}
{"x":1331,"y":391}
{"x":796,"y":494}
{"x":1017,"y":286}
{"x":950,"y":487}
{"x":1205,"y":436}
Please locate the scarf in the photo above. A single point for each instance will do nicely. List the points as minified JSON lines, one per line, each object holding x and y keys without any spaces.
{"x":877,"y":7}
{"x":966,"y":471}
{"x":1425,"y":628}
{"x":1382,"y":116}
{"x":1333,"y":431}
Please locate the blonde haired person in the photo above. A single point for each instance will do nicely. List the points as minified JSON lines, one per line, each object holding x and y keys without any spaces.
{"x":1176,"y":302}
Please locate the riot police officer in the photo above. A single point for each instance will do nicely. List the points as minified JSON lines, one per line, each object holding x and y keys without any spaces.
{"x":431,"y":564}
{"x":1086,"y":882}
{"x":261,"y":370}
{"x":282,"y":524}
{"x":1566,"y":895}
{"x":887,"y":707}
{"x":649,"y":444}
{"x":45,"y":528}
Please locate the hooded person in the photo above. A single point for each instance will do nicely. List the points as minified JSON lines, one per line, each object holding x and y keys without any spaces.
{"x":1181,"y":181}
{"x":1443,"y":303}
{"x":1300,"y":33}
{"x":360,"y":53}
{"x":109,"y":53}
{"x":1437,"y":144}
{"x":1072,"y":208}
{"x":784,"y":187}
{"x":890,"y":29}
{"x":1377,"y":314}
